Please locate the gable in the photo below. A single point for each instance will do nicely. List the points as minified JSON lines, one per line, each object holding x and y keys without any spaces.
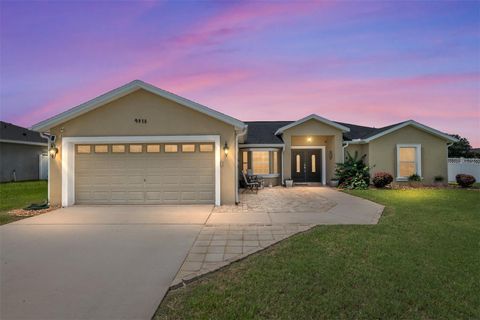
{"x":126,"y":116}
{"x":312,"y":117}
{"x":126,"y":90}
{"x":312,"y":127}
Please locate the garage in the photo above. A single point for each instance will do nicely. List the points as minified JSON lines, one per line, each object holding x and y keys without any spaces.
{"x":145,"y":173}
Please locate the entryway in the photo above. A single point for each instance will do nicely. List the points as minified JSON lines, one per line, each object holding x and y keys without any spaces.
{"x":307,"y":165}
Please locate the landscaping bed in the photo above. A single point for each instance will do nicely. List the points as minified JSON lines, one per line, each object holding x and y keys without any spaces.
{"x":420,"y":261}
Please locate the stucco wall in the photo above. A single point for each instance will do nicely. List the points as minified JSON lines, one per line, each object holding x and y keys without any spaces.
{"x":382,"y":152}
{"x":22,"y":158}
{"x":322,"y":135}
{"x":362,"y":149}
{"x":164,"y":117}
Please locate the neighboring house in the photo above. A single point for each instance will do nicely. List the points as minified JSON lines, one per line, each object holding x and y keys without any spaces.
{"x":23,"y":154}
{"x":142,"y":145}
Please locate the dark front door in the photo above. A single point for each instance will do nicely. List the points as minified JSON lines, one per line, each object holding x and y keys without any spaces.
{"x":306,"y":165}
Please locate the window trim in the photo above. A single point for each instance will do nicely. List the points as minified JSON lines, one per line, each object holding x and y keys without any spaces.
{"x":418,"y":159}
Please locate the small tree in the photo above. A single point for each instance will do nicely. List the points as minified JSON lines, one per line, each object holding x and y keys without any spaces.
{"x":460,"y":149}
{"x":353,"y":173}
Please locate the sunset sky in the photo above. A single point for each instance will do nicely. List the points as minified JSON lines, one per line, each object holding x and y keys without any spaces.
{"x":368,"y":63}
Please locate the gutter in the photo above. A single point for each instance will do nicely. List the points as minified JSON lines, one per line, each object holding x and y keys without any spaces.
{"x":241,"y":134}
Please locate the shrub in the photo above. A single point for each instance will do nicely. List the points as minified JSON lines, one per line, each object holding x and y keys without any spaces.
{"x":465,"y":180}
{"x":353,"y":173}
{"x":438,"y":179}
{"x":382,"y":179}
{"x":414,"y":177}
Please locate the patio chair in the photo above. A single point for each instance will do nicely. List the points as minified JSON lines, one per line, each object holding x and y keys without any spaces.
{"x":250,"y":184}
{"x":254,"y":178}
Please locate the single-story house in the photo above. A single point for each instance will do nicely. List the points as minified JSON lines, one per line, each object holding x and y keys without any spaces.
{"x":23,"y":154}
{"x":139,"y":144}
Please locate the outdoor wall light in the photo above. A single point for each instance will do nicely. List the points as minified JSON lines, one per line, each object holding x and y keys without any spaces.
{"x":225,"y":149}
{"x":53,"y":151}
{"x":309,"y":139}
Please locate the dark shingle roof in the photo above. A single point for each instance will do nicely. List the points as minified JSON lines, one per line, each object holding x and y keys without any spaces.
{"x":263,"y":132}
{"x":10,"y":131}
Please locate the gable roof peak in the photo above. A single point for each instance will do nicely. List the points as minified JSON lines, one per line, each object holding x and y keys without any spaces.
{"x":314,"y":117}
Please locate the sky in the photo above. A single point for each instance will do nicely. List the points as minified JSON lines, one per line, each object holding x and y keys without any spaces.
{"x":370,"y":63}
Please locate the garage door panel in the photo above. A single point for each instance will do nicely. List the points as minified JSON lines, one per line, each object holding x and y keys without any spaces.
{"x":151,"y":178}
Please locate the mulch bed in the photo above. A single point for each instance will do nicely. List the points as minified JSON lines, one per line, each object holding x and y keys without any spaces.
{"x":31,"y":213}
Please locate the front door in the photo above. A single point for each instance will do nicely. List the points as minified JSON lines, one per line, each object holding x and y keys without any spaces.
{"x":306,"y":165}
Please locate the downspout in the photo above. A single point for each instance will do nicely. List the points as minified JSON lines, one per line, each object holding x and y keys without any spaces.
{"x":343,"y":151}
{"x":47,"y":136}
{"x":283,"y":155}
{"x":241,"y":134}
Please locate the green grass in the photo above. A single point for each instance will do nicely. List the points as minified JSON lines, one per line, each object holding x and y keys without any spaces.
{"x":14,"y":195}
{"x":420,"y":262}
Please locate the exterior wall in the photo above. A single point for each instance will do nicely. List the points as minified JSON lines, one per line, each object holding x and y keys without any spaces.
{"x":164,"y":117}
{"x":322,"y":135}
{"x":21,"y":158}
{"x":382,"y":152}
{"x":362,"y":149}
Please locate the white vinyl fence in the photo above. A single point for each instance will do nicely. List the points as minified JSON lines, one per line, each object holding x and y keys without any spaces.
{"x":43,"y":166}
{"x":462,"y":165}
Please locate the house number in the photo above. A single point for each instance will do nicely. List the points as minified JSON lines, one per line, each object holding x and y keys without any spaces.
{"x":139,"y":120}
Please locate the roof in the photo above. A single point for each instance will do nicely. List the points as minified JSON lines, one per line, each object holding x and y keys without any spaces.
{"x":15,"y":134}
{"x":263,"y":132}
{"x":125,"y":90}
{"x":312,"y":117}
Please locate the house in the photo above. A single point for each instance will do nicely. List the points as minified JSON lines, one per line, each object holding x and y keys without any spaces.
{"x":23,"y":154}
{"x":139,"y":144}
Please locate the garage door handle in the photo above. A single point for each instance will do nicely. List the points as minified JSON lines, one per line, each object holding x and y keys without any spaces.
{"x":144,"y":180}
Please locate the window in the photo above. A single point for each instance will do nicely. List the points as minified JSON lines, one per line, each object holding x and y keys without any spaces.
{"x":171,"y":148}
{"x":314,"y":164}
{"x":101,"y":148}
{"x":261,"y":162}
{"x":245,"y":161}
{"x":188,"y":148}
{"x":118,"y":148}
{"x":153,"y":148}
{"x":136,"y":148}
{"x":206,"y":148}
{"x":408,"y":161}
{"x":275,"y":162}
{"x":297,"y":163}
{"x":83,"y":149}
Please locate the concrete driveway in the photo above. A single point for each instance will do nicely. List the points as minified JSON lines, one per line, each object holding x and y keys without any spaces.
{"x":94,"y":262}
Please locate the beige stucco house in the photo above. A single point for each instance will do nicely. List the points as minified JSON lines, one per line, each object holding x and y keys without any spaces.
{"x":138,"y":144}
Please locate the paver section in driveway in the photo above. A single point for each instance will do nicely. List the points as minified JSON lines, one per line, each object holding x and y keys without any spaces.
{"x":217,"y":246}
{"x":88,"y":271}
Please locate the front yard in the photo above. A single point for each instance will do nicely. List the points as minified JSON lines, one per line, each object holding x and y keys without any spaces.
{"x":420,"y":261}
{"x":16,"y":195}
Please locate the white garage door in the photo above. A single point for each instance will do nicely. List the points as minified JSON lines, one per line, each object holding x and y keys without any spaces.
{"x":145,"y":174}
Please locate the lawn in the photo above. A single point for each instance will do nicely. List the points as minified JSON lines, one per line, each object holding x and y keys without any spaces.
{"x":15,"y":195}
{"x":420,"y":262}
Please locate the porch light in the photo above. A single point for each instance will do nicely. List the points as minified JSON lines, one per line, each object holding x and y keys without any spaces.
{"x":53,"y":151}
{"x":225,"y":149}
{"x":309,"y":139}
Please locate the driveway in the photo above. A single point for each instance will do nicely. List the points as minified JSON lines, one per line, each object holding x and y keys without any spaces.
{"x":94,"y":262}
{"x":117,"y":262}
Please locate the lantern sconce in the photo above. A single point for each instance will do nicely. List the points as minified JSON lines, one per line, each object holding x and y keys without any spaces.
{"x":225,"y":149}
{"x":53,"y":150}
